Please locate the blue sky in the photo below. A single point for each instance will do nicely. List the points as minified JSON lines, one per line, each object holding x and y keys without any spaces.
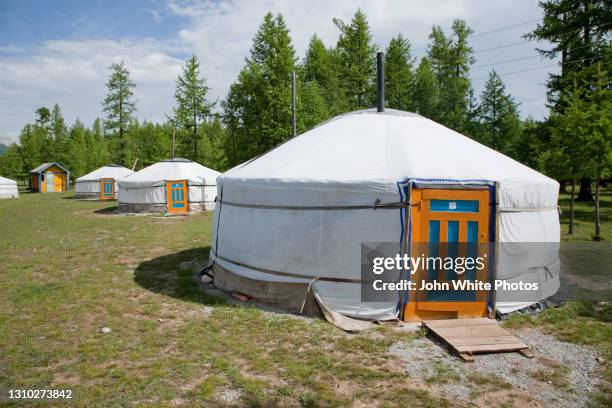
{"x":59,"y":51}
{"x":35,"y":21}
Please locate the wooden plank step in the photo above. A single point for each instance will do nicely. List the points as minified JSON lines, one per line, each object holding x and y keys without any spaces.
{"x":461,"y":322}
{"x":485,"y":331}
{"x":471,"y":336}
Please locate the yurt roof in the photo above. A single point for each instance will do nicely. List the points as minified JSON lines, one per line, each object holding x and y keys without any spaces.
{"x":172,"y":169}
{"x":5,"y":181}
{"x":374,"y":151}
{"x":45,"y":166}
{"x":113,"y":171}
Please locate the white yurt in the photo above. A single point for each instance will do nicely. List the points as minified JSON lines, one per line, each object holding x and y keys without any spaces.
{"x":8,"y":188}
{"x":173,"y":186}
{"x":101,"y":184}
{"x":291,"y":222}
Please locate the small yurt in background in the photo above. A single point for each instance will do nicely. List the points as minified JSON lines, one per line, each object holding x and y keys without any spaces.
{"x":173,"y":186}
{"x":50,"y":178}
{"x":8,"y":188}
{"x":293,"y":220}
{"x":100,"y":184}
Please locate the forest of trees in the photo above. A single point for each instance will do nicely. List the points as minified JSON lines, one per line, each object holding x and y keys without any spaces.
{"x":573,"y":144}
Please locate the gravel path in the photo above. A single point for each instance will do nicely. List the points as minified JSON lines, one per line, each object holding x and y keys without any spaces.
{"x":561,"y":362}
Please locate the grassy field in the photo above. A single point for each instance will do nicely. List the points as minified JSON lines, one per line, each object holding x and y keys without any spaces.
{"x":584,"y":226}
{"x":69,"y":268}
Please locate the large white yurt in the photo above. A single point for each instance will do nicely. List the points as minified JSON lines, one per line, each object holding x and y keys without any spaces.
{"x":8,"y":188}
{"x":101,"y":184}
{"x":173,"y":186}
{"x":291,"y":222}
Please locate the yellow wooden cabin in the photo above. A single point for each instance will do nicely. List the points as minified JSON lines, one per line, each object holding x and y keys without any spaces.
{"x":50,"y":178}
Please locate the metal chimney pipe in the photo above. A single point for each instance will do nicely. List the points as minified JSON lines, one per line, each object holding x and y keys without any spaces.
{"x":293,"y":105}
{"x":380,"y":82}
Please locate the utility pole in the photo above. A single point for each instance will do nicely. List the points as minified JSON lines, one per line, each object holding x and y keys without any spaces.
{"x":293,"y":106}
{"x":173,"y":142}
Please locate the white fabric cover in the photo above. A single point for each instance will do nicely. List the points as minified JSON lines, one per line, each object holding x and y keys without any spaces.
{"x":90,"y":183}
{"x":148,"y":186}
{"x":355,"y":159}
{"x":8,"y":188}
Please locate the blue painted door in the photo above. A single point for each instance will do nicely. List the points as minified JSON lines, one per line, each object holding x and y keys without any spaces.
{"x":107,"y":189}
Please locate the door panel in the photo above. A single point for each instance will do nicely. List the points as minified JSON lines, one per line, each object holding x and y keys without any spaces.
{"x":177,"y":196}
{"x":448,"y":223}
{"x":107,"y":189}
{"x":50,"y":182}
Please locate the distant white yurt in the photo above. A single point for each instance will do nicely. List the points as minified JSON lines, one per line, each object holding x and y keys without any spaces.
{"x":101,"y":184}
{"x":173,"y":186}
{"x":8,"y":188}
{"x":292,"y":221}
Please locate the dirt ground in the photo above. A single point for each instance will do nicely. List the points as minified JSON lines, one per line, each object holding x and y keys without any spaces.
{"x":561,"y":374}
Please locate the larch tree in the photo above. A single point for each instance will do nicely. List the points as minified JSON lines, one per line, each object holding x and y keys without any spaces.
{"x":321,"y":65}
{"x":119,"y":106}
{"x":451,"y":58}
{"x":357,"y":61}
{"x":399,"y":75}
{"x":192,"y":107}
{"x":426,"y":93}
{"x":498,"y":116}
{"x":257,"y":110}
{"x":579,"y":33}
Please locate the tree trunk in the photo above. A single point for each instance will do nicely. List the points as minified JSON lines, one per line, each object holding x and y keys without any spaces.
{"x":597,"y":236}
{"x":570,"y":230}
{"x":585,"y":193}
{"x":563,"y":186}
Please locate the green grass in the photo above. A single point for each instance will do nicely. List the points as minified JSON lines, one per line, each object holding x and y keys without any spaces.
{"x":584,"y":226}
{"x":69,"y":268}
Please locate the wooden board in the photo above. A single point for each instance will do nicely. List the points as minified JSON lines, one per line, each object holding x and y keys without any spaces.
{"x":472,"y":336}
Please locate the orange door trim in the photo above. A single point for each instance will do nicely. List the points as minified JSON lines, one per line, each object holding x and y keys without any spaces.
{"x":177,"y":196}
{"x":421,"y":216}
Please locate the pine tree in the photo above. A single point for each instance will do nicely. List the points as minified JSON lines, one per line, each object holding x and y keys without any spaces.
{"x":76,"y":150}
{"x":426,"y":93}
{"x":357,"y":57}
{"x":311,"y":105}
{"x":257,"y":110}
{"x":584,"y":129}
{"x":97,"y":149}
{"x":451,"y":58}
{"x":58,"y":133}
{"x":192,"y":107}
{"x":498,"y":115}
{"x":119,"y":107}
{"x":11,"y":163}
{"x":579,"y":32}
{"x":322,"y":66}
{"x":399,"y":75}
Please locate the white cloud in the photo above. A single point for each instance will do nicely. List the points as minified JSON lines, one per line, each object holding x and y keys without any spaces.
{"x":73,"y":73}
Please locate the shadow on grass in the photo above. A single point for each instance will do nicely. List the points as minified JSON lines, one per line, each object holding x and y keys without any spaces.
{"x":173,"y":275}
{"x":107,"y":210}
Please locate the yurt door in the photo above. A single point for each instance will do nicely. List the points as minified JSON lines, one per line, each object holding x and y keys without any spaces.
{"x":449,"y":223}
{"x":107,"y":189}
{"x":178,"y":196}
{"x":50,"y":182}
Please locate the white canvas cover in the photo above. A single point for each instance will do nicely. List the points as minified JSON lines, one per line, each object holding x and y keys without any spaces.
{"x":280,"y":218}
{"x":147,"y":187}
{"x":89,"y":184}
{"x":8,"y":188}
